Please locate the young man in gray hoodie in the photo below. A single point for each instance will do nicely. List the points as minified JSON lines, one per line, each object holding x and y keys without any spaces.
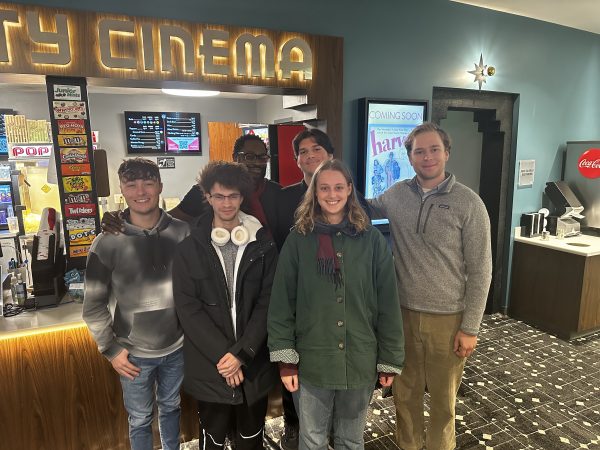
{"x":442,"y":253}
{"x":129,"y":307}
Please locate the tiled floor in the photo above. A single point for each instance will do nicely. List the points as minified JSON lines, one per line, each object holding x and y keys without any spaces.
{"x":522,"y":389}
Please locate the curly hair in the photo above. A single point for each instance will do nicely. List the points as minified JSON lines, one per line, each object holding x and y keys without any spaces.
{"x":310,"y":211}
{"x":231,"y":175}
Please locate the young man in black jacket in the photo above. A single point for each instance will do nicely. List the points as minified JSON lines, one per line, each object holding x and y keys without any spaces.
{"x":222,"y":277}
{"x":311,"y":148}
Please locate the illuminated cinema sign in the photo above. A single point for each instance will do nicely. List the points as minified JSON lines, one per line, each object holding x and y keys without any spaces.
{"x":49,"y":41}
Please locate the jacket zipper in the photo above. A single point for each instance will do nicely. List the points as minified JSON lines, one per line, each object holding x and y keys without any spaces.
{"x":241,"y":271}
{"x":423,"y":200}
{"x":420,"y":211}
{"x":224,"y":283}
{"x":427,"y":217}
{"x":219,"y":269}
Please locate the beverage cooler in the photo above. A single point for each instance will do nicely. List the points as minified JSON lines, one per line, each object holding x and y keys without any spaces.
{"x":7,"y":206}
{"x":283,"y":162}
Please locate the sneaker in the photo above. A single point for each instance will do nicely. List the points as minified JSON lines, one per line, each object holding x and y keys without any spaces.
{"x":289,"y":438}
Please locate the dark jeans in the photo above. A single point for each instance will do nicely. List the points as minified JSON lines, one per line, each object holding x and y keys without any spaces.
{"x":243,"y":423}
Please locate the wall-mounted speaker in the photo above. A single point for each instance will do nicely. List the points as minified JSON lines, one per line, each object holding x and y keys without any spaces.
{"x":101,"y":169}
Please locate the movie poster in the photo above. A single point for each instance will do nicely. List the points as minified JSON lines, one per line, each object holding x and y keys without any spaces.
{"x":386,"y":161}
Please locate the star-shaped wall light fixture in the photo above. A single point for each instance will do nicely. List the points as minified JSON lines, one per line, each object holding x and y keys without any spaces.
{"x":482,"y":71}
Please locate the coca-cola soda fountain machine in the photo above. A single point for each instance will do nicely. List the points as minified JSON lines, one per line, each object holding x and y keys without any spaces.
{"x":582,"y":173}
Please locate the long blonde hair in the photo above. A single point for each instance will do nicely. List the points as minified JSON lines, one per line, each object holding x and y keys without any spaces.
{"x":309,"y":210}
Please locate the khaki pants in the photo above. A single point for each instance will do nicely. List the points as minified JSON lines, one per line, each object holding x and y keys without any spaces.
{"x":429,"y":362}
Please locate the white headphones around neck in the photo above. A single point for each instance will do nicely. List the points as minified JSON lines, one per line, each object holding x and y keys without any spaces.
{"x":239,"y":236}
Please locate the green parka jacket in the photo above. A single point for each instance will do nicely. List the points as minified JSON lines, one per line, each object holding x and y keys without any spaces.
{"x":340,"y":336}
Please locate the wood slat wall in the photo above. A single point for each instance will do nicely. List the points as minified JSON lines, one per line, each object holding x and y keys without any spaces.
{"x":58,"y":393}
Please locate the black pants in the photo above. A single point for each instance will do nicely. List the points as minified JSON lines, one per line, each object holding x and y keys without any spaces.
{"x":290,"y":416}
{"x":244,"y":424}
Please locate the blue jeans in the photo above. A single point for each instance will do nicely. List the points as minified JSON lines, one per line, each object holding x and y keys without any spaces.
{"x":318,"y":408}
{"x":166,"y":374}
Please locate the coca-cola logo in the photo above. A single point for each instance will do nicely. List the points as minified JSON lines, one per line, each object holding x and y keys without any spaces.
{"x":589,"y":163}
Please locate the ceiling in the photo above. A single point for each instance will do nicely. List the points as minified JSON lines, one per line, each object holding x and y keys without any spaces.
{"x":579,"y":14}
{"x":93,"y":89}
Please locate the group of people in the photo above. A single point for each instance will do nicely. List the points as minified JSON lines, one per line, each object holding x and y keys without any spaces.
{"x":257,"y":283}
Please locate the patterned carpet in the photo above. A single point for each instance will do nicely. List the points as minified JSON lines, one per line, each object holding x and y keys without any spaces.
{"x":522,"y":389}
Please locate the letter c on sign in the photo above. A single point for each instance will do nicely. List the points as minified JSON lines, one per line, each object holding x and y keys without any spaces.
{"x":589,"y":163}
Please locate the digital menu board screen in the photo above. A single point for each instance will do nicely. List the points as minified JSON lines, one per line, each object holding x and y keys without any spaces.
{"x":384,"y":126}
{"x":162,"y":132}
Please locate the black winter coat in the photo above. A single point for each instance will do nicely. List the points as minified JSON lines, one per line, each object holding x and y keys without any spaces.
{"x":202,"y":298}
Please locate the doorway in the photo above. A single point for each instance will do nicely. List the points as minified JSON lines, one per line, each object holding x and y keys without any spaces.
{"x":495,"y":116}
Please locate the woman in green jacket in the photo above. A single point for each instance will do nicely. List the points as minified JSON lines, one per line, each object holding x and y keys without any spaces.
{"x":334,"y":325}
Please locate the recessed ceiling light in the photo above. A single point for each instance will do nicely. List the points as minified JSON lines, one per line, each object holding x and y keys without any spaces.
{"x":190,"y":92}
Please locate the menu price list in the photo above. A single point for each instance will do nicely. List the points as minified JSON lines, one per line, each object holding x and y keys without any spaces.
{"x":144,"y":132}
{"x":162,"y":132}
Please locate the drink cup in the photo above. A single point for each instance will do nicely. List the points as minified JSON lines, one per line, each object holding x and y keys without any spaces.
{"x":13,"y":224}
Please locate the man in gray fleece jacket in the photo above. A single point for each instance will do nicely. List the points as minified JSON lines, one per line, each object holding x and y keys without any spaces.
{"x":129,"y":307}
{"x":442,"y":252}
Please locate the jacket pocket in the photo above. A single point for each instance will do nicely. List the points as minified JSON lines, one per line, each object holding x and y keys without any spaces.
{"x":206,"y":287}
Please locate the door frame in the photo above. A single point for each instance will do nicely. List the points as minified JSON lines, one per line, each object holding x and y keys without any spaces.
{"x":506,"y":108}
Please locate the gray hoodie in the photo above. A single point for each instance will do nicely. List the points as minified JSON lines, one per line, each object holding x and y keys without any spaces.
{"x":442,"y":248}
{"x":128,"y":300}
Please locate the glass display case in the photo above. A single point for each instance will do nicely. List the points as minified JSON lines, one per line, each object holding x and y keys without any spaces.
{"x":32,"y":191}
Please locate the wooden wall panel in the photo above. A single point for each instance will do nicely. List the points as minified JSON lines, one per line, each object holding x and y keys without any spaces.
{"x":589,"y":316}
{"x":326,"y":90}
{"x":59,"y":393}
{"x":543,"y":293}
{"x":221,"y":137}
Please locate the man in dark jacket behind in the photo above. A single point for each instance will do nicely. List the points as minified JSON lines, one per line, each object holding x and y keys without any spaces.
{"x":222,"y":277}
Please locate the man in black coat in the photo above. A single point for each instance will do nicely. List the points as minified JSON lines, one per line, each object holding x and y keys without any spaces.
{"x":251,"y":151}
{"x":222,"y":277}
{"x":311,"y":147}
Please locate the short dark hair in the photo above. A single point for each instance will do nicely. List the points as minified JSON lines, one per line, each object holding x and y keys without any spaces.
{"x":424,"y":128}
{"x":232,"y":175}
{"x":319,"y":136}
{"x":239,"y":142}
{"x":138,"y":169}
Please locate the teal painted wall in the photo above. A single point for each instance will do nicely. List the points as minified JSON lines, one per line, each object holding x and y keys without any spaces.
{"x":402,"y":48}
